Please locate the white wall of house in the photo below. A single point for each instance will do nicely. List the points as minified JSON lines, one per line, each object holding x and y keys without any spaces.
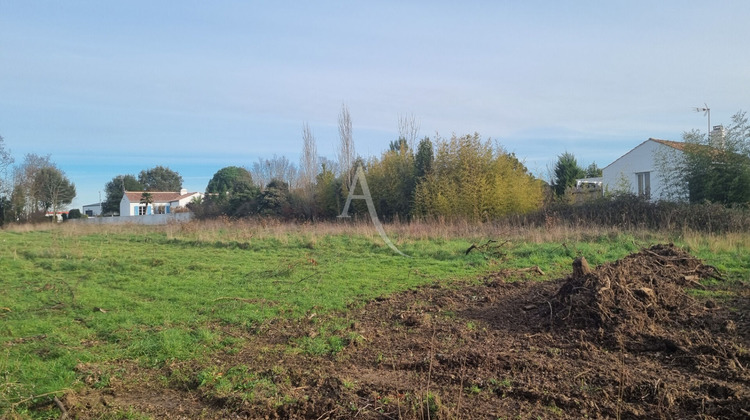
{"x":639,"y":171}
{"x":128,"y":208}
{"x":125,"y":206}
{"x":131,"y":208}
{"x":155,"y":219}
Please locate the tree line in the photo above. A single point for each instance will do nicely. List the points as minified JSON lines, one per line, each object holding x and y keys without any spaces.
{"x":33,"y":188}
{"x":461,"y":177}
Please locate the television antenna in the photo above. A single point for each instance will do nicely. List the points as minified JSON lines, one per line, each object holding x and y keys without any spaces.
{"x":706,"y":112}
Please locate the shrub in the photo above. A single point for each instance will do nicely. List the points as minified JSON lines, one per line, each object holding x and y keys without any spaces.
{"x":628,"y":211}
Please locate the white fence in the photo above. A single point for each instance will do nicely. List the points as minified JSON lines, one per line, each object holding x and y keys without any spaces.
{"x":152,"y":219}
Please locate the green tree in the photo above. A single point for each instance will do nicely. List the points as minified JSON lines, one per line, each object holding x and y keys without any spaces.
{"x":566,"y":173}
{"x":53,"y":189}
{"x":328,"y":193}
{"x":593,"y":171}
{"x":228,"y":180}
{"x":231,"y":192}
{"x":714,"y":168}
{"x":392,"y":181}
{"x":423,"y":159}
{"x":160,"y":178}
{"x":459,"y":181}
{"x":74,"y":214}
{"x":146,"y":199}
{"x":115,"y":189}
{"x":274,"y":200}
{"x":718,"y":169}
{"x":398,"y":145}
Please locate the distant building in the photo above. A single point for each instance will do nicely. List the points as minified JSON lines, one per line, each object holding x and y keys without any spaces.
{"x":161,"y":202}
{"x":638,"y":171}
{"x":92,"y":210}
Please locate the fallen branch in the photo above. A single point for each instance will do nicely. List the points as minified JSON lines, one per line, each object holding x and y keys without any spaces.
{"x":693,"y":280}
{"x":485,"y":246}
{"x":60,"y":405}
{"x":711,"y":273}
{"x":33,"y":397}
{"x":327,"y":414}
{"x":535,"y":269}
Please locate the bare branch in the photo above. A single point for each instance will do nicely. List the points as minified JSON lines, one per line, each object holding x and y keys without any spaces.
{"x":346,"y":146}
{"x":308,"y":166}
{"x":408,"y":129}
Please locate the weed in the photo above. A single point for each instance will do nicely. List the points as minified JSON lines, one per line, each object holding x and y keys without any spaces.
{"x":429,"y":406}
{"x":474,"y":389}
{"x":557,"y":411}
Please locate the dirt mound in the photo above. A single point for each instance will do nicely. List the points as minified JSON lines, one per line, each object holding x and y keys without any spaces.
{"x":641,"y":295}
{"x":625,"y":340}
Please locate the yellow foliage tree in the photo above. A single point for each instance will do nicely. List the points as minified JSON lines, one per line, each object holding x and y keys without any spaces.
{"x":472,"y":180}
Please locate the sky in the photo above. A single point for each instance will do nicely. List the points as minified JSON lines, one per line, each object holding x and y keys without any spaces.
{"x":108,"y":88}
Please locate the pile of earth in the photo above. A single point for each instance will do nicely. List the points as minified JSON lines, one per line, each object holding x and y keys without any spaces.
{"x":636,"y":303}
{"x":625,"y":340}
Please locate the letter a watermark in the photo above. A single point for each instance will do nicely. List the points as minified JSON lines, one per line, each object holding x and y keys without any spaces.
{"x":370,"y":206}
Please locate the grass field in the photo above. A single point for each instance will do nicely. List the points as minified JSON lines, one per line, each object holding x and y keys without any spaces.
{"x":78,"y":294}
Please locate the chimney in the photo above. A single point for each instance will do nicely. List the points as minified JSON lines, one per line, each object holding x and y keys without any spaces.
{"x":183,"y":191}
{"x":716,"y":137}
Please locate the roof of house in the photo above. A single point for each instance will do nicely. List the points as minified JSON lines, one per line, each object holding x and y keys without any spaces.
{"x":673,"y":144}
{"x":157,"y":196}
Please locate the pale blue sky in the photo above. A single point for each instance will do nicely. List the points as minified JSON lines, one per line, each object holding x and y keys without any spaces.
{"x":110,"y":87}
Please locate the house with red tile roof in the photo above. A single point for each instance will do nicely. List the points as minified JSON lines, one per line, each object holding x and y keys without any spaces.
{"x":640,"y":171}
{"x":134,"y":203}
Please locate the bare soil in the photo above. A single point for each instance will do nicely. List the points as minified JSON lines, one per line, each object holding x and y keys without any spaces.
{"x":622,"y":340}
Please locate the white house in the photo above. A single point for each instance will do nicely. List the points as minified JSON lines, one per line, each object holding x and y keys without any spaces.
{"x":92,"y":210}
{"x":640,"y":170}
{"x":161,"y":202}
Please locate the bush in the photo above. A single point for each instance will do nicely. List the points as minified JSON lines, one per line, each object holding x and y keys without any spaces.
{"x":74,"y":214}
{"x":628,"y":211}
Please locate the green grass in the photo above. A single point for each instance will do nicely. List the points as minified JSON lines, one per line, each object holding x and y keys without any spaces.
{"x":104,"y":296}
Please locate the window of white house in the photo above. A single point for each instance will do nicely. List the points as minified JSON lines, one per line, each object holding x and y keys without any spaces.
{"x":141,"y":210}
{"x":644,"y":184}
